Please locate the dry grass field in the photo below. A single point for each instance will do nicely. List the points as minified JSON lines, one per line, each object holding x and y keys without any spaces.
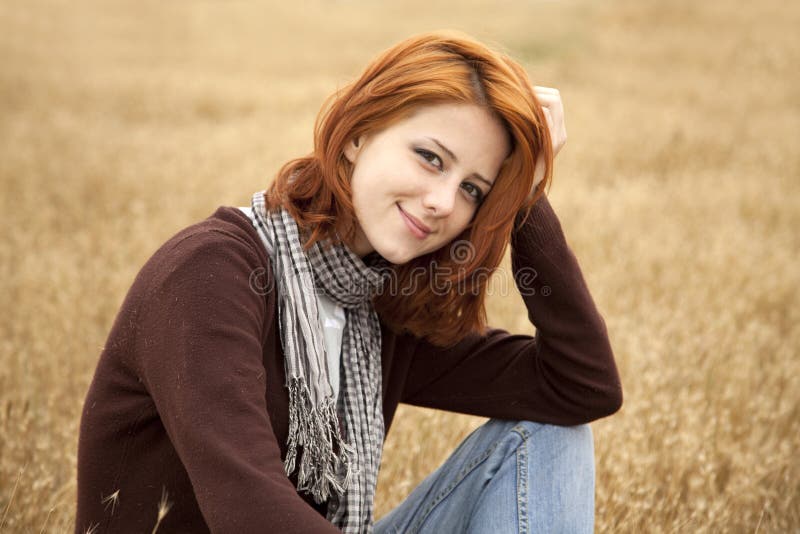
{"x":679,"y":190}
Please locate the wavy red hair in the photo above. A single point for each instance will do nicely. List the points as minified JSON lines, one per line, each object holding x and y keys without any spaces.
{"x":432,"y":68}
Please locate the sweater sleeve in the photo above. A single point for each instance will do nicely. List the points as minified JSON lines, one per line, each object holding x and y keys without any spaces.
{"x":200,"y":356}
{"x":563,"y":375}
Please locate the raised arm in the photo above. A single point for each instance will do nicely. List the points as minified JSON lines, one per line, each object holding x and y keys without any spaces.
{"x":564,"y":375}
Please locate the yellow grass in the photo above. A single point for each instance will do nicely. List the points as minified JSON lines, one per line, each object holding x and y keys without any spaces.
{"x":122,"y":122}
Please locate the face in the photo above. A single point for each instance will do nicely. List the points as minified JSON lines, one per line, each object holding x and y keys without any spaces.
{"x":417,"y":184}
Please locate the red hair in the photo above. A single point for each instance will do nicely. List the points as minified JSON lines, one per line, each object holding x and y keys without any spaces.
{"x":449,"y":285}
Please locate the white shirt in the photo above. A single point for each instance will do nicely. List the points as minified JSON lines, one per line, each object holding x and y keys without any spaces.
{"x":332,"y":318}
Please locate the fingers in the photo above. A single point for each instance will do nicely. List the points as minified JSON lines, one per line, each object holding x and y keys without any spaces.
{"x":538,"y":172}
{"x":548,"y":100}
{"x":549,"y":117}
{"x":547,"y":95}
{"x":547,"y":90}
{"x":553,"y":109}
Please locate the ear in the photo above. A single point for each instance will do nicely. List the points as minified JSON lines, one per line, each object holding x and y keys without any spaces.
{"x":352,"y":148}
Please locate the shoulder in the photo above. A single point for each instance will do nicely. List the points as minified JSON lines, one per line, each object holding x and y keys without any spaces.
{"x":221,"y":254}
{"x":227,"y":231}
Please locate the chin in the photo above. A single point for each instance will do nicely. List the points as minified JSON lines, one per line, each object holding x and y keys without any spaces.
{"x":396,"y":258}
{"x":395,"y":255}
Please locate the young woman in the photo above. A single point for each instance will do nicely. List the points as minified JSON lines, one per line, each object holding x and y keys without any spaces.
{"x":256,"y":363}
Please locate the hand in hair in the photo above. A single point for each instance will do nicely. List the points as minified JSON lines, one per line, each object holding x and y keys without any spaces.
{"x":553,"y":109}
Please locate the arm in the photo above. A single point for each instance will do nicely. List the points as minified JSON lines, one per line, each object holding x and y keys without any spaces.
{"x":564,"y":375}
{"x":200,"y":356}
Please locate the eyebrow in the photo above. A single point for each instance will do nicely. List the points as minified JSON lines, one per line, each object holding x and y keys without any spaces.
{"x":455,"y":159}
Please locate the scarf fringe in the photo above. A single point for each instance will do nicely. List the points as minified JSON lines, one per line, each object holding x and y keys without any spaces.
{"x":317,"y":431}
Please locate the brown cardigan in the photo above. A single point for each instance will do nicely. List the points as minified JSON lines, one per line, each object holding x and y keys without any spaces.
{"x":188,"y":395}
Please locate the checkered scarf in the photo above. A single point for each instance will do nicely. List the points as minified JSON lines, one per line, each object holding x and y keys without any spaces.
{"x":340,"y":467}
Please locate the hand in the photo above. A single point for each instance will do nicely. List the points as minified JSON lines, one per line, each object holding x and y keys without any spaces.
{"x":553,"y":109}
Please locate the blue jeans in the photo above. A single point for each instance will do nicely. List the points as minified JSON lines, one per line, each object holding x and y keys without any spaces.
{"x":506,"y":477}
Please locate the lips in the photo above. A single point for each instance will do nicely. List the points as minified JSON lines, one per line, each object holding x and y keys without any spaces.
{"x":415,"y":225}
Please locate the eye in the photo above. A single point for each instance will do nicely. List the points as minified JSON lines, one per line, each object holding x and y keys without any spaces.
{"x":430,"y":157}
{"x":474,"y":191}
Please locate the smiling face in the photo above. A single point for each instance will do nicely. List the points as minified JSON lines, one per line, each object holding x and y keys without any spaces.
{"x":417,"y":184}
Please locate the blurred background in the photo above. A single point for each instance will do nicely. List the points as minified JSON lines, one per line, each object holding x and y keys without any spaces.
{"x":122,"y":122}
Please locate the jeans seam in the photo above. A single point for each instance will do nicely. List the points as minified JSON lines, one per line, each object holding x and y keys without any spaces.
{"x":450,"y":487}
{"x":522,"y":431}
{"x":522,"y":488}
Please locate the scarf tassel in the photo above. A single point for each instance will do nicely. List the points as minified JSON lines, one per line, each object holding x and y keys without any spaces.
{"x":317,"y":431}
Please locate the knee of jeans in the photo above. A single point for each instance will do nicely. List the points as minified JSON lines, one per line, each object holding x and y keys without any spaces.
{"x":577,"y":440}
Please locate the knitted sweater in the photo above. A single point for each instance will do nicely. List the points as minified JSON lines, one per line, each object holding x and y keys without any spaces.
{"x":188,"y":400}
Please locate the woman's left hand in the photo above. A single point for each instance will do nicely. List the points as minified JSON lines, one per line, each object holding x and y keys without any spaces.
{"x":553,"y":109}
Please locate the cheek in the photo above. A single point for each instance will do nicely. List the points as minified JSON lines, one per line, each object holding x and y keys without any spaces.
{"x":363,"y":186}
{"x":463,"y":217}
{"x":454,"y":230}
{"x":370,"y":177}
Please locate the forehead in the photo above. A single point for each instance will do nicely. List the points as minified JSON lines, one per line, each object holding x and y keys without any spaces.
{"x":449,"y":114}
{"x":471,"y":132}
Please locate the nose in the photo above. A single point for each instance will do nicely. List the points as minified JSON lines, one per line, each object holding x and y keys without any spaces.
{"x":440,"y":199}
